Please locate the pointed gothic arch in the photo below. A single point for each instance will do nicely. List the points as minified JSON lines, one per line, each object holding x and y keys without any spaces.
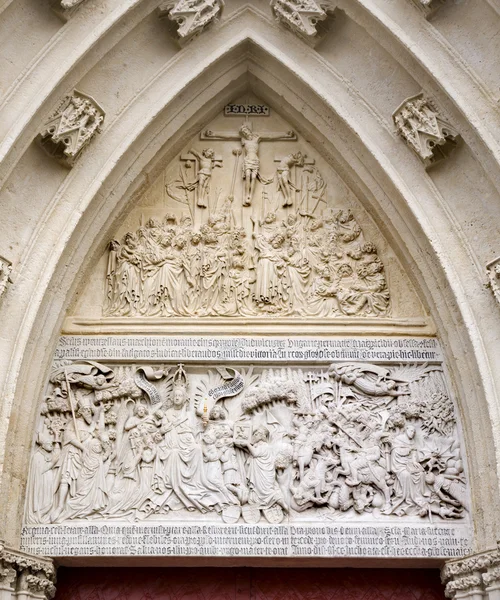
{"x":248,"y":53}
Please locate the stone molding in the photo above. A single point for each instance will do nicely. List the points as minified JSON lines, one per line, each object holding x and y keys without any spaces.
{"x":24,"y":576}
{"x":71,"y":127}
{"x":476,"y":576}
{"x":191,"y":17}
{"x":418,"y":122}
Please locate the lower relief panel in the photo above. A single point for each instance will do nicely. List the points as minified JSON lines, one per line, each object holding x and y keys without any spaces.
{"x":231,"y":459}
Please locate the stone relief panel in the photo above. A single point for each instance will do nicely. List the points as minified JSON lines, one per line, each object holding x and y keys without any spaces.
{"x":246,"y":444}
{"x":302,"y":265}
{"x":235,"y":443}
{"x":248,"y":221}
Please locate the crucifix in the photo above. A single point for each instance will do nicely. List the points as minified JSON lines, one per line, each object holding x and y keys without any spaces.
{"x":250,"y":143}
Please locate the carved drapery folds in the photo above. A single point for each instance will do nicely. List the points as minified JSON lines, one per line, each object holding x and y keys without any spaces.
{"x":428,"y":135}
{"x":23,"y":576}
{"x":301,"y":16}
{"x":71,"y":127}
{"x":476,"y":577}
{"x":268,"y":243}
{"x":352,"y":439}
{"x":5,"y":271}
{"x":493,"y":270}
{"x":191,"y":16}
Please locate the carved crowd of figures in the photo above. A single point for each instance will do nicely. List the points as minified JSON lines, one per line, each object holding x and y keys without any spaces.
{"x":299,"y":265}
{"x":126,"y":443}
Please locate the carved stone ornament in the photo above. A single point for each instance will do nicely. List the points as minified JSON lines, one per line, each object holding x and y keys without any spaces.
{"x":474,"y":576}
{"x":191,"y":16}
{"x":428,"y":7}
{"x":22,"y":575}
{"x":71,"y":127}
{"x":428,"y":135}
{"x":493,"y":270}
{"x":269,"y":247}
{"x":5,"y":271}
{"x":69,"y":4}
{"x":301,"y":16}
{"x":231,"y":443}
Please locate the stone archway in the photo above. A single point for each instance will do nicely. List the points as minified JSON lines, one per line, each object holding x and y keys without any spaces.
{"x":92,"y":189}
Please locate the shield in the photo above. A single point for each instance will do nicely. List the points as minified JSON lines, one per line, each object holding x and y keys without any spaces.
{"x":231,"y":514}
{"x":251,"y":513}
{"x":274,"y":514}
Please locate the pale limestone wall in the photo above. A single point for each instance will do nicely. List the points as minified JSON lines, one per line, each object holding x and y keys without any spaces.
{"x":442,"y":224}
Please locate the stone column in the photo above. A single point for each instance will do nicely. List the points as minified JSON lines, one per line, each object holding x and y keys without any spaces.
{"x":476,"y":577}
{"x":25,"y":577}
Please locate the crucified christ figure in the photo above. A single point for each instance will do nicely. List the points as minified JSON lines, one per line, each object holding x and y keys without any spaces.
{"x":251,"y":163}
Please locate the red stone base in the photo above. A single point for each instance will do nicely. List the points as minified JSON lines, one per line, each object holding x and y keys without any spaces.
{"x":177,"y":583}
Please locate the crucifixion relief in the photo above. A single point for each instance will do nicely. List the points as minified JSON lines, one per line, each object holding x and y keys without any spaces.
{"x":250,"y":142}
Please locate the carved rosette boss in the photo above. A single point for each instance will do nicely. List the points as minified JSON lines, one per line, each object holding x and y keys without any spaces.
{"x":71,"y":127}
{"x":192,"y":17}
{"x":475,"y":577}
{"x":23,"y":576}
{"x":424,"y":130}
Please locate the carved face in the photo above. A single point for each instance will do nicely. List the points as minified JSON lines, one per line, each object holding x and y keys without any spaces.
{"x":278,"y":241}
{"x":100,"y":380}
{"x":86,"y":413}
{"x":208,"y":153}
{"x":179,"y":397}
{"x":246,"y":132}
{"x":140,"y":410}
{"x":410,"y":431}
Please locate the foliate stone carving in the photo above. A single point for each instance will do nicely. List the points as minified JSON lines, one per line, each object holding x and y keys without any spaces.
{"x":71,"y":127}
{"x":5,"y":271}
{"x":246,"y":443}
{"x":474,"y":574}
{"x":428,"y":7}
{"x":301,"y":16}
{"x":428,"y":135}
{"x":21,"y":573}
{"x":69,"y":4}
{"x":191,"y":16}
{"x":493,"y":270}
{"x":268,"y":245}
